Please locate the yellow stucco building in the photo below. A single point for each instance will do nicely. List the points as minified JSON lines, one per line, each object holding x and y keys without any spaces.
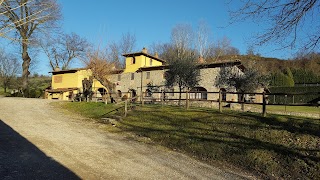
{"x":67,"y":83}
{"x":134,"y":61}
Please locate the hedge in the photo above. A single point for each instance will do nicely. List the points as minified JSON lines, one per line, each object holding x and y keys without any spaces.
{"x":281,"y":99}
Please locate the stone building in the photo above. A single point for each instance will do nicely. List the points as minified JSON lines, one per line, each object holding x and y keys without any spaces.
{"x":66,"y":84}
{"x":142,"y":75}
{"x":145,"y":73}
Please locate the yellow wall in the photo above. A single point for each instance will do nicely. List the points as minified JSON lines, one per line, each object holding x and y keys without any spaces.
{"x":68,"y":80}
{"x":73,"y":80}
{"x":96,"y":85}
{"x":140,"y":61}
{"x":81,"y":75}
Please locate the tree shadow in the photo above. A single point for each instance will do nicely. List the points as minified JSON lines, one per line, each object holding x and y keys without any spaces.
{"x":291,"y":124}
{"x":222,"y":138}
{"x":20,"y":159}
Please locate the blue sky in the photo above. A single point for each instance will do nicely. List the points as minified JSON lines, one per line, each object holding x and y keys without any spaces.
{"x":151,"y":21}
{"x":103,"y":21}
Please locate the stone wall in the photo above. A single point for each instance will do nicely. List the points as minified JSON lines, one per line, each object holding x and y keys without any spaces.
{"x":132,"y":81}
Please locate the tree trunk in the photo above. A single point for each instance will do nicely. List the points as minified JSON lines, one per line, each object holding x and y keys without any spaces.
{"x":25,"y":68}
{"x":187,"y":99}
{"x":242,"y":101}
{"x":107,"y":85}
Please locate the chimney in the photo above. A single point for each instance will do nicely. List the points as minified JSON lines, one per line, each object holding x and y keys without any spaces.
{"x":144,"y":50}
{"x":156,"y":55}
{"x":57,"y":68}
{"x":201,"y":60}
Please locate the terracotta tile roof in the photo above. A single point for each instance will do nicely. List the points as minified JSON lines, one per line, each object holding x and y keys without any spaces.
{"x":67,"y":71}
{"x":201,"y":66}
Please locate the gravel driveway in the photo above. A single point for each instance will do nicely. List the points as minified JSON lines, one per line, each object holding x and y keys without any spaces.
{"x":39,"y":142}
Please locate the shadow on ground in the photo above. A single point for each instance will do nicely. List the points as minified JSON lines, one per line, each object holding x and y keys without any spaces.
{"x":20,"y":159}
{"x":280,"y":147}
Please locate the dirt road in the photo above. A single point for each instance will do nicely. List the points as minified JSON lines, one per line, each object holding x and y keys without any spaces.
{"x":39,"y":142}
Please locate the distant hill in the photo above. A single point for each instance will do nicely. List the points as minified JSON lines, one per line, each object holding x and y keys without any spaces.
{"x":304,"y":70}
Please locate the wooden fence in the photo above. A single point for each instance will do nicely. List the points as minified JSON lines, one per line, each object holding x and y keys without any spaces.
{"x":163,"y":98}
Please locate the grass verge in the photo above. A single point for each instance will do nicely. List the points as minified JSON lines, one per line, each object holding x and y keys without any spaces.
{"x":284,"y":147}
{"x":2,"y":93}
{"x":298,"y":109}
{"x":295,"y":109}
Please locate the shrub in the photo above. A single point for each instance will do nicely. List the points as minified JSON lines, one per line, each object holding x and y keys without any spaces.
{"x":312,"y":94}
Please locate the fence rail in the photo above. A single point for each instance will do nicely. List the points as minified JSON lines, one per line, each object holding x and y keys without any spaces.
{"x":220,"y":98}
{"x":284,"y":99}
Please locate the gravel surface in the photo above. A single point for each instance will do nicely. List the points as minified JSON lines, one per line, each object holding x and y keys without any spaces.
{"x":39,"y":142}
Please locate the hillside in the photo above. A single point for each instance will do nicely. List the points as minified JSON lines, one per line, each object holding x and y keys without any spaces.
{"x":304,"y":70}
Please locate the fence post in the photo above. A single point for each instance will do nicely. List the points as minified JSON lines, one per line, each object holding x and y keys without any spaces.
{"x":142,"y":99}
{"x":293,"y":99}
{"x":141,"y":94}
{"x":274,"y":99}
{"x":220,"y":99}
{"x":242,"y":101}
{"x":125,"y":108}
{"x":264,"y":104}
{"x":285,"y":103}
{"x":187,"y":99}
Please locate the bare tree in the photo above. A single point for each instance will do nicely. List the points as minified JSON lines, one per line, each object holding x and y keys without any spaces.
{"x":23,"y":19}
{"x":115,"y":54}
{"x":182,"y":37}
{"x":9,"y":68}
{"x":126,"y":45}
{"x":72,"y":46}
{"x":250,"y":50}
{"x":292,"y":21}
{"x":164,"y":50}
{"x":62,"y":51}
{"x":203,"y":39}
{"x":48,"y":46}
{"x":222,"y":48}
{"x":101,"y":68}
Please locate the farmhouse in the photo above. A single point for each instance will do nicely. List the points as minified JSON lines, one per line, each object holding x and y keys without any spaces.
{"x":66,"y":84}
{"x":143,"y":74}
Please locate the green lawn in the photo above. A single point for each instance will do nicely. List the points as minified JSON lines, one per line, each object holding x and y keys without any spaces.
{"x":301,"y":109}
{"x":3,"y":93}
{"x":295,"y":109}
{"x":274,"y":147}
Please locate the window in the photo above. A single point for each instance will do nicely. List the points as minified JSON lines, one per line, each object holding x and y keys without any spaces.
{"x":150,"y":62}
{"x":132,"y":76}
{"x":102,"y":92}
{"x":133,"y":60}
{"x":198,"y":93}
{"x":119,"y":77}
{"x":164,"y":75}
{"x":57,"y":79}
{"x":119,"y":93}
{"x":148,"y":93}
{"x":148,"y":75}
